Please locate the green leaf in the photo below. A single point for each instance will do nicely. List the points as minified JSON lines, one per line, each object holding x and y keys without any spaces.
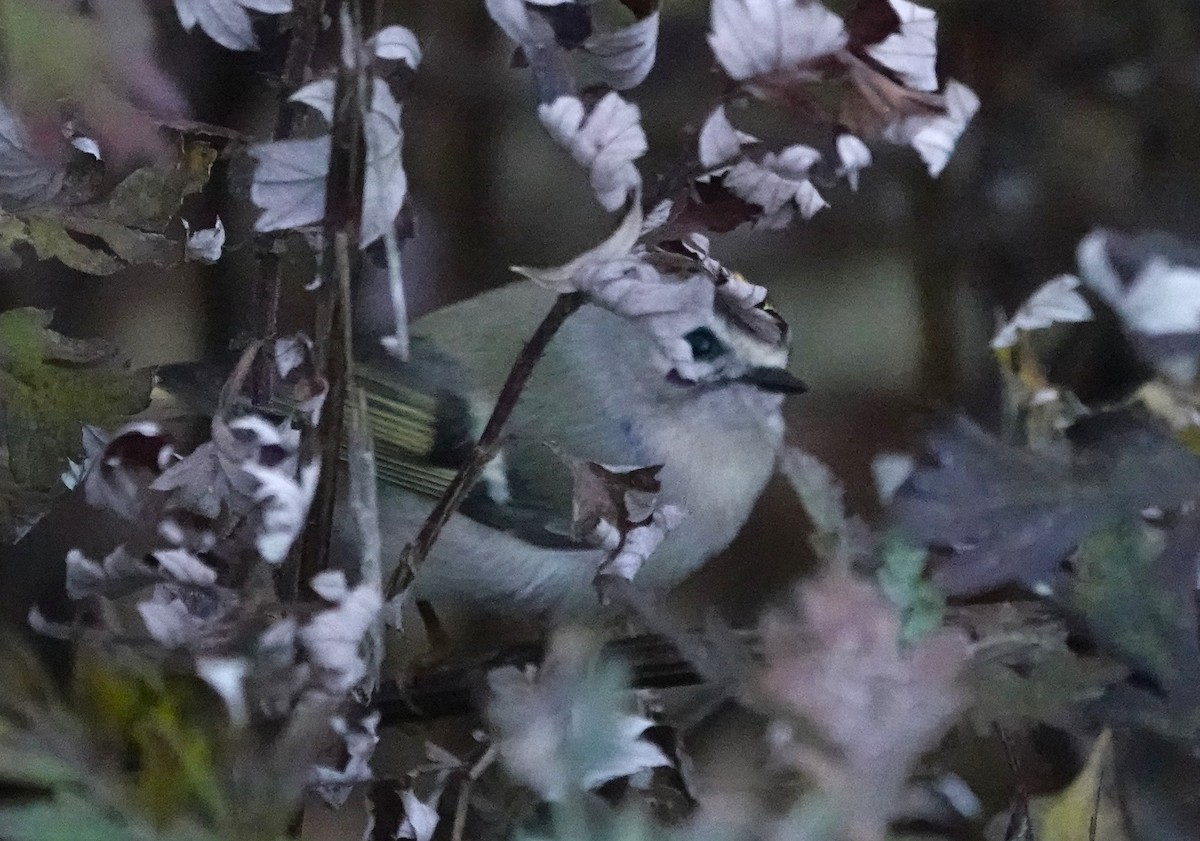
{"x":106,"y":237}
{"x":50,"y":386}
{"x":920,"y":604}
{"x":1137,"y":597}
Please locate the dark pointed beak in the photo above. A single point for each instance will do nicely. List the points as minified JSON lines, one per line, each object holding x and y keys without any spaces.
{"x":777,"y":380}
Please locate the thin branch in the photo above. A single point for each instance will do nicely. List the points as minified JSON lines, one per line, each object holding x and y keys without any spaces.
{"x":339,"y":265}
{"x":305,"y":30}
{"x":485,"y":450}
{"x":464,"y":792}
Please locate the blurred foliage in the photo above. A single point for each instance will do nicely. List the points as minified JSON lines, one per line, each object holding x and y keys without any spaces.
{"x":50,"y":386}
{"x":135,"y":750}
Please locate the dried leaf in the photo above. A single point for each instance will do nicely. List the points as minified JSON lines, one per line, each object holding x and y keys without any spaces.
{"x":129,"y":224}
{"x":360,"y":738}
{"x":617,"y":508}
{"x":285,"y":500}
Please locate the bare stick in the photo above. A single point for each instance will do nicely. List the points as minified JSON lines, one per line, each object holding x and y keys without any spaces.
{"x":464,"y":792}
{"x":489,"y":442}
{"x":303,"y":42}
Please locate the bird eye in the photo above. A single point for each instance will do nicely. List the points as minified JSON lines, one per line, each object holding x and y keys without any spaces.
{"x":704,"y":344}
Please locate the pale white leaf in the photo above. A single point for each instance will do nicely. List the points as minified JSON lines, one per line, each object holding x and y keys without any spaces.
{"x":890,"y":471}
{"x":118,"y":572}
{"x":396,"y":344}
{"x":205,"y":245}
{"x":719,"y":141}
{"x":606,"y":141}
{"x":1160,"y":299}
{"x":911,"y":53}
{"x":289,"y":182}
{"x":563,"y":728}
{"x":319,"y":96}
{"x":639,"y":543}
{"x":853,"y":157}
{"x":934,"y":136}
{"x":514,"y":18}
{"x":1055,"y":302}
{"x":185,"y":567}
{"x":227,"y":21}
{"x":168,"y":621}
{"x":755,"y":37}
{"x":226,"y":676}
{"x":511,"y":16}
{"x":333,"y":637}
{"x":25,"y":177}
{"x":360,"y":739}
{"x":285,"y":501}
{"x":779,"y":184}
{"x":658,"y":216}
{"x":617,"y":247}
{"x":87,"y":145}
{"x":420,"y":817}
{"x":330,"y":585}
{"x":1163,"y":299}
{"x":186,"y":616}
{"x":617,"y":277}
{"x":385,"y":184}
{"x":820,"y":492}
{"x":622,"y":58}
{"x":562,"y":118}
{"x":396,"y":43}
{"x":638,"y":756}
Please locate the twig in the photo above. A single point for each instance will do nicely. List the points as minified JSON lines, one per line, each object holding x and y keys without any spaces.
{"x":339,"y":264}
{"x":305,"y":30}
{"x":337,"y":368}
{"x":464,"y":792}
{"x":489,"y":443}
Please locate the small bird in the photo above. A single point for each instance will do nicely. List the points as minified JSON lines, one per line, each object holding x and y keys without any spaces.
{"x":699,"y":392}
{"x":604,"y":391}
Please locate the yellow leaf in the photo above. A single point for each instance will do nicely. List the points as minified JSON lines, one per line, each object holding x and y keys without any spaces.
{"x":1089,"y":801}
